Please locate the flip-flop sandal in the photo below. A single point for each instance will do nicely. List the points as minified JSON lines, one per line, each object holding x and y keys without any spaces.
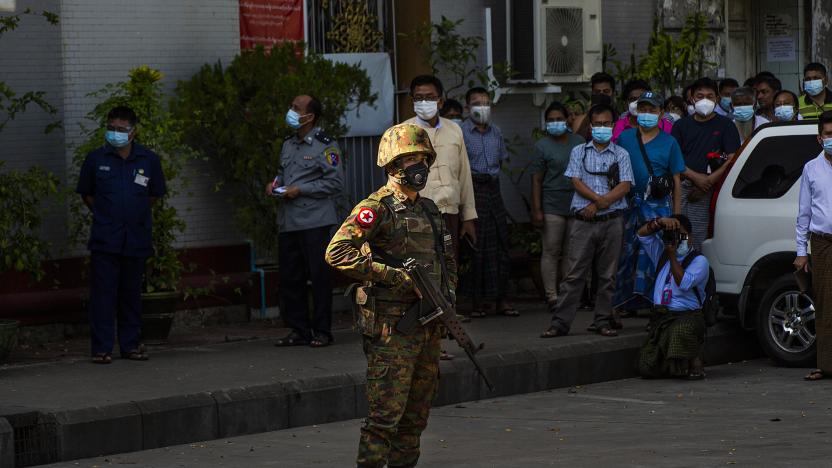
{"x":136,"y":355}
{"x":553,"y":332}
{"x":510,"y":312}
{"x":102,"y":358}
{"x":816,"y":374}
{"x":320,"y":342}
{"x":696,"y":375}
{"x":291,"y":339}
{"x":446,"y":356}
{"x":607,"y":331}
{"x":478,"y":314}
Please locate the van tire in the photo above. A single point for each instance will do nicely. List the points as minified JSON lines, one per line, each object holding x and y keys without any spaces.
{"x":777,"y":292}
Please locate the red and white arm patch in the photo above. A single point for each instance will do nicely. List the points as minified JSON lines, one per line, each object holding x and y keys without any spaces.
{"x":366,"y":217}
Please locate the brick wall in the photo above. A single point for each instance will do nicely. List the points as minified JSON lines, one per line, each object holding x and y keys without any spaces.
{"x":103,"y":39}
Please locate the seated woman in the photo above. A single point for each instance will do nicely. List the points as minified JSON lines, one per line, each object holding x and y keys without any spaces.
{"x":677,"y":329}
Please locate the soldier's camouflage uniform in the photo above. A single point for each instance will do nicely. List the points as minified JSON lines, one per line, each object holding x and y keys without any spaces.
{"x":402,"y":370}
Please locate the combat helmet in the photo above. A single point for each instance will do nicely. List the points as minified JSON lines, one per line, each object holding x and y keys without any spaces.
{"x":401,"y":140}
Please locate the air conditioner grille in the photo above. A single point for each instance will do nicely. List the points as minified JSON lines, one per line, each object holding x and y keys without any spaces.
{"x":564,"y":41}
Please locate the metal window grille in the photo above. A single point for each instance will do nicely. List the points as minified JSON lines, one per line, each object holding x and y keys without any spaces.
{"x":35,"y":438}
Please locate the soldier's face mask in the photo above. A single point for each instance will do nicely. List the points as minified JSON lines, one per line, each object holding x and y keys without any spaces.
{"x":415,"y":176}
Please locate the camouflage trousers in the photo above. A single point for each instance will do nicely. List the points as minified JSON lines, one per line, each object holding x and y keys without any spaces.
{"x":402,"y":380}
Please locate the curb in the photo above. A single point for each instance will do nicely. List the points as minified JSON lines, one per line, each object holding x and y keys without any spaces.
{"x":183,"y":419}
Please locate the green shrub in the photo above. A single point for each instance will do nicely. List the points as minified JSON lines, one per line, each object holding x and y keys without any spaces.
{"x":234,"y":116}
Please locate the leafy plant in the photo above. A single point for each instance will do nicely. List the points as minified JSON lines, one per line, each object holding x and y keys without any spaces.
{"x":671,"y":62}
{"x":234,"y":117}
{"x":21,"y":215}
{"x":450,"y":53}
{"x":160,"y":131}
{"x":22,"y":193}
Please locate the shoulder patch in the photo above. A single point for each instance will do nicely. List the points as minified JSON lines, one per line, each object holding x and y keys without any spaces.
{"x":323,"y":138}
{"x":333,"y":156}
{"x":366,"y":217}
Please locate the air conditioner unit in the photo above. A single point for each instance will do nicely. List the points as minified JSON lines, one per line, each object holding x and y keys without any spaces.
{"x":554,"y":41}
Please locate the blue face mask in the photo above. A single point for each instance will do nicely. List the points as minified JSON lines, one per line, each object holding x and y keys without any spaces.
{"x":784,"y":113}
{"x":647,"y":120}
{"x":556,"y":128}
{"x":293,"y":119}
{"x":813,"y":87}
{"x":683,"y":248}
{"x":743,"y":113}
{"x":725,"y":103}
{"x":601,"y":134}
{"x":827,"y":145}
{"x":117,"y":139}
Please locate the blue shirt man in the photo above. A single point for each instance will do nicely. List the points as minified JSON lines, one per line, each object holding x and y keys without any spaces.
{"x":486,"y":148}
{"x":119,"y":182}
{"x":675,"y":296}
{"x":586,"y":163}
{"x":663,"y":151}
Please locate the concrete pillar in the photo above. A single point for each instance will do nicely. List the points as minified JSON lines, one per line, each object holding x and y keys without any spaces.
{"x":821,"y":32}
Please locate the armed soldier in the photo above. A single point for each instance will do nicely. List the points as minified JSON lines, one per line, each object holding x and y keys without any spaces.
{"x":391,"y":225}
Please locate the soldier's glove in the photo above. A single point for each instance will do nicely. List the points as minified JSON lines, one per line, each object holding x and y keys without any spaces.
{"x":399,"y":281}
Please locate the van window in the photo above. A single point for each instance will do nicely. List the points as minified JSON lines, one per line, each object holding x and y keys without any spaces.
{"x":775,"y":165}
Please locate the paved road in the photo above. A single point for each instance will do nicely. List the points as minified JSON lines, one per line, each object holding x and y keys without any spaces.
{"x":747,"y":414}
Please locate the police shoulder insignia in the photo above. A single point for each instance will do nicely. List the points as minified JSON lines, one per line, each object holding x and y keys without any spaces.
{"x":366,"y":217}
{"x":323,"y":138}
{"x":333,"y":156}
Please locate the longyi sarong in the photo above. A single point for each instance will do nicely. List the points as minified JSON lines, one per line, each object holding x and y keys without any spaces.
{"x":822,"y":296}
{"x":673,"y":339}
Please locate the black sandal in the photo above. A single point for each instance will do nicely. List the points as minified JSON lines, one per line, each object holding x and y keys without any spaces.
{"x":102,"y":358}
{"x":320,"y":342}
{"x":136,"y":355}
{"x":816,"y":374}
{"x":553,"y":332}
{"x":292,"y":339}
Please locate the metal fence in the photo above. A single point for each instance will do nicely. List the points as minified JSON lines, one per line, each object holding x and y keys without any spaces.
{"x":362,"y":175}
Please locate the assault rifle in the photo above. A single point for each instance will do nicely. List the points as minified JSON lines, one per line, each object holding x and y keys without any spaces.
{"x":432,"y":306}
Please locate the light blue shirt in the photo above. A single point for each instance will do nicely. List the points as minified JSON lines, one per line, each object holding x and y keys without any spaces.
{"x":598,"y":162}
{"x":815,"y":207}
{"x":682,"y":296}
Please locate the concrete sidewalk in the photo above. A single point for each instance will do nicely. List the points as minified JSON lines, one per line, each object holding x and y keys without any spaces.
{"x":69,"y":410}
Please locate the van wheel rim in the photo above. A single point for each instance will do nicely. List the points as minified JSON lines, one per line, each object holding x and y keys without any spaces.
{"x":791,"y":322}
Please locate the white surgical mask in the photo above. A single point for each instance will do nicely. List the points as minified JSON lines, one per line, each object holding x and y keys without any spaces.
{"x":633,"y":108}
{"x":481,"y":114}
{"x":674,"y":116}
{"x":683,"y":248}
{"x":691,"y":109}
{"x":704,"y":107}
{"x":426,"y":110}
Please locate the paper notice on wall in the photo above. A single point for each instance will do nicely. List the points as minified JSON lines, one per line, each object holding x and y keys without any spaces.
{"x":270,"y":22}
{"x":778,"y":25}
{"x":366,"y":120}
{"x":780,"y":49}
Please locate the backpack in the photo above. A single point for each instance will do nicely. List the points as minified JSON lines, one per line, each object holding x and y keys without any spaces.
{"x":710,"y":303}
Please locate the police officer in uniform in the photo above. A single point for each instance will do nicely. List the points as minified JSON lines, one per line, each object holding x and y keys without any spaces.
{"x":310,"y":176}
{"x":119,"y":183}
{"x":396,"y":223}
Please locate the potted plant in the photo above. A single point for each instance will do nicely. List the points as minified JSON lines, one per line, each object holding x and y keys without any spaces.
{"x":159,"y":131}
{"x":527,"y":239}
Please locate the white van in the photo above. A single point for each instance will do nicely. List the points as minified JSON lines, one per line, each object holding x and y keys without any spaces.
{"x":751,"y":240}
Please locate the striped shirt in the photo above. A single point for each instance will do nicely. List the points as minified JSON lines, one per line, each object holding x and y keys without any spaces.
{"x":584,"y":159}
{"x":486,"y":150}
